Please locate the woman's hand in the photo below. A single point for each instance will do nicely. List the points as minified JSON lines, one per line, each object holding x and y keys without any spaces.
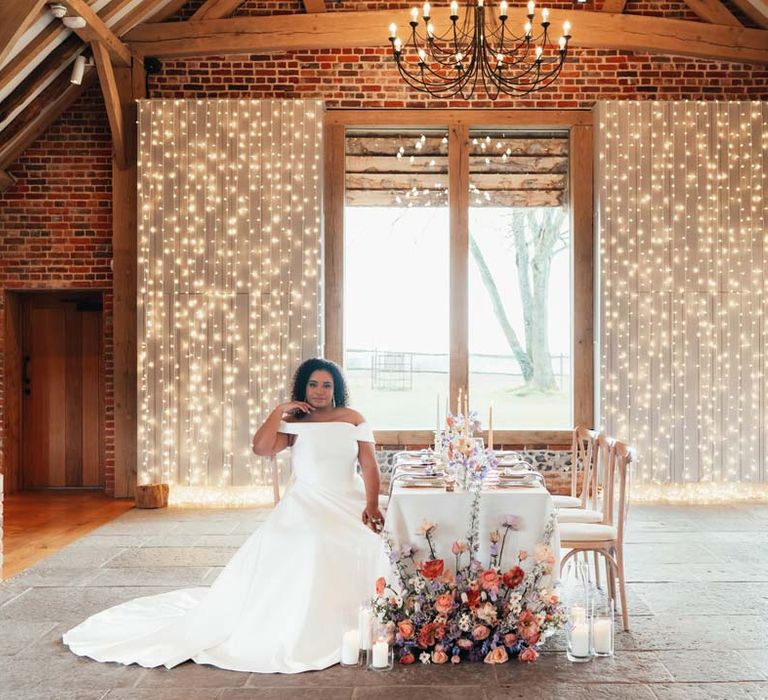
{"x":295,"y":407}
{"x":373,"y":518}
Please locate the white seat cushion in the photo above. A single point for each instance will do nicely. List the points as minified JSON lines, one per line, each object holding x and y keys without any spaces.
{"x":585,"y":532}
{"x":566,"y":501}
{"x":579,"y":515}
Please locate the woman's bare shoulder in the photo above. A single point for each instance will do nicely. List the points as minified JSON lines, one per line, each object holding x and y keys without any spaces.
{"x":353,"y":416}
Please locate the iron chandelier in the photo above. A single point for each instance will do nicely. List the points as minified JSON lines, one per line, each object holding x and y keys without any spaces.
{"x":479,"y":49}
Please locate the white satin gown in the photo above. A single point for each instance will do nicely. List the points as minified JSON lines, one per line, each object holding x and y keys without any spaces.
{"x":283,"y":602}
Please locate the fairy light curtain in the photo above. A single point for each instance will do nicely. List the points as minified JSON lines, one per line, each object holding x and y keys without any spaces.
{"x":682,"y":221}
{"x":229,"y":297}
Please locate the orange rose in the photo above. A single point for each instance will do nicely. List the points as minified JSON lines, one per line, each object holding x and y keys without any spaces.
{"x":433,"y":568}
{"x":380,"y":584}
{"x":480,"y":632}
{"x":528,"y":655}
{"x":514,"y":577}
{"x":439,"y":630}
{"x":439,"y":657}
{"x":455,"y":659}
{"x":489,"y":580}
{"x":496,"y":656}
{"x":444,"y":603}
{"x":406,"y":628}
{"x":427,"y":635}
{"x":406,"y":659}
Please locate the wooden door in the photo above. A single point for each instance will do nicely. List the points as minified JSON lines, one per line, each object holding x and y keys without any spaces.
{"x":62,"y":423}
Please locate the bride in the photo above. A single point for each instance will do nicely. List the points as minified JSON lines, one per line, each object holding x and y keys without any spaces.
{"x":283,"y":602}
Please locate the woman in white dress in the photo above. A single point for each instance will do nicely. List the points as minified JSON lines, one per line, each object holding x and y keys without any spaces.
{"x":283,"y":602}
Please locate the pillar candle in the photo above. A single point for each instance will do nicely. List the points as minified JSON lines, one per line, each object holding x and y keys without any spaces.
{"x":380,"y":654}
{"x":350,"y":647}
{"x":580,"y":639}
{"x":490,"y":426}
{"x":602,"y":635}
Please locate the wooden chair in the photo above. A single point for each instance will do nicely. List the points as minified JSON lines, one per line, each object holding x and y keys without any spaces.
{"x":584,"y":453}
{"x":592,"y":512}
{"x":607,"y":538}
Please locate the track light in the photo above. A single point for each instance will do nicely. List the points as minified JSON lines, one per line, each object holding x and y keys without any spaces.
{"x":78,"y":69}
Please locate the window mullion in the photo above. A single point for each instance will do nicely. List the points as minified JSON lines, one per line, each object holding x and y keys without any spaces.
{"x":458,"y":204}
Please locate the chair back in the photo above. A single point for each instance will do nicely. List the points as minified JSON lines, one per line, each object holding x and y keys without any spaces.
{"x":584,"y":457}
{"x":623,"y":458}
{"x":604,"y":450}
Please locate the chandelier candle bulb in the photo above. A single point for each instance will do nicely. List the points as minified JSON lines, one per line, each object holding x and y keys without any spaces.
{"x":431,"y":30}
{"x":398,"y":45}
{"x":427,"y":10}
{"x":503,"y":9}
{"x":454,"y":9}
{"x":539,"y":51}
{"x":422,"y":55}
{"x":531,"y":7}
{"x":414,"y":15}
{"x":528,"y":28}
{"x":567,"y":28}
{"x":545,"y":16}
{"x":392,"y":30}
{"x":562,"y":43}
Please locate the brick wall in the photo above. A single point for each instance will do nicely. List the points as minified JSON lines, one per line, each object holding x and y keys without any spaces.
{"x":56,"y":224}
{"x":56,"y":221}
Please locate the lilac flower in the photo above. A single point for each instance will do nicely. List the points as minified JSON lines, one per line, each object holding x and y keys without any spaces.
{"x":513,"y":522}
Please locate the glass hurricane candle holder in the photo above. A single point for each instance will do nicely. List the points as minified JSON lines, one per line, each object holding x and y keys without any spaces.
{"x":365,"y":619}
{"x":602,"y":630}
{"x":578,"y":629}
{"x":381,"y":656}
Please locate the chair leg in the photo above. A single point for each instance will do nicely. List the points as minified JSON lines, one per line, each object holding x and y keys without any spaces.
{"x":610,"y":577}
{"x":597,"y":569}
{"x":622,"y":588}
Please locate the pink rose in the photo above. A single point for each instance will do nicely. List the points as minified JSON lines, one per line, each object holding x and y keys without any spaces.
{"x":529,"y":655}
{"x":480,"y":632}
{"x":406,"y":629}
{"x":544,"y":554}
{"x":465,"y":643}
{"x":458,"y":547}
{"x":439,"y":657}
{"x":455,"y":659}
{"x":444,"y":603}
{"x":523,"y":555}
{"x":496,"y":656}
{"x":528,"y":627}
{"x":489,"y":580}
{"x":510,"y":639}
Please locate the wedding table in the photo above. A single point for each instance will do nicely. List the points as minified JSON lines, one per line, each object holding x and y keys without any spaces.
{"x":533,"y":506}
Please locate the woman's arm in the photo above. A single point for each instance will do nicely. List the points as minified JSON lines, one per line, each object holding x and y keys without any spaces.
{"x":369,"y":469}
{"x":267,"y":442}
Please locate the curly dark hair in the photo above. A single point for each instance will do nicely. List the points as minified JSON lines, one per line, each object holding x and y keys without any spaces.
{"x":304,"y":372}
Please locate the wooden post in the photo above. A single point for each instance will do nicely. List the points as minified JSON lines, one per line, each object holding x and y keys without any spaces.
{"x":130,"y":84}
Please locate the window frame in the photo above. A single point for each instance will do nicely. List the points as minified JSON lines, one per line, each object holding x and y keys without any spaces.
{"x":579,"y":124}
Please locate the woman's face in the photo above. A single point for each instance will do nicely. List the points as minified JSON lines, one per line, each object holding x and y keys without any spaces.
{"x":320,"y":389}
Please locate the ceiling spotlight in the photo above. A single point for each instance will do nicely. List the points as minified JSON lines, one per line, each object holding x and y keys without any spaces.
{"x":58,"y":10}
{"x":78,"y":69}
{"x":73,"y":22}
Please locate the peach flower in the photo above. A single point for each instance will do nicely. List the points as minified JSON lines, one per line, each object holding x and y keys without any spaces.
{"x":406,"y":659}
{"x":523,"y":555}
{"x":489,"y":580}
{"x":528,"y":655}
{"x":496,"y":656}
{"x":510,"y":639}
{"x":433,"y":568}
{"x":514,"y":577}
{"x":455,"y":659}
{"x":528,"y":627}
{"x":406,"y":628}
{"x":444,"y":603}
{"x":439,"y":657}
{"x":480,"y":632}
{"x":544,"y":554}
{"x":464,"y":643}
{"x":380,"y":584}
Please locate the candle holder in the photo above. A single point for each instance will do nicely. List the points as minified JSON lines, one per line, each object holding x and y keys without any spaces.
{"x":578,"y":629}
{"x":365,"y":619}
{"x":381,"y":656}
{"x":603,"y":629}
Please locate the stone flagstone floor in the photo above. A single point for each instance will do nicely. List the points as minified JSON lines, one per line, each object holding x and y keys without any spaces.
{"x":698,"y":588}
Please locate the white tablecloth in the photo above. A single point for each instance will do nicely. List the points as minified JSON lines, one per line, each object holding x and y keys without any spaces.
{"x":533,"y":505}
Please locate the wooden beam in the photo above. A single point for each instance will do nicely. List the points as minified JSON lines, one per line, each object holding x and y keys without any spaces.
{"x":215,"y":9}
{"x":34,"y":82}
{"x":111,"y":100}
{"x":713,"y":11}
{"x":333,"y":206}
{"x":613,"y":6}
{"x":240,"y":35}
{"x":96,"y":30}
{"x":147,"y":11}
{"x":419,"y":118}
{"x":39,"y":115}
{"x":314,"y":5}
{"x":16,"y":16}
{"x":6,"y":180}
{"x":756,"y":10}
{"x":40,"y":45}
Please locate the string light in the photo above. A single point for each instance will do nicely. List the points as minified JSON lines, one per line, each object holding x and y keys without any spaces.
{"x":682,"y":225}
{"x":229,"y":289}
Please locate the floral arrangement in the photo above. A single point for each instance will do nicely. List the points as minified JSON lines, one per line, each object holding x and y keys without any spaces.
{"x":465,"y":456}
{"x":472,"y":612}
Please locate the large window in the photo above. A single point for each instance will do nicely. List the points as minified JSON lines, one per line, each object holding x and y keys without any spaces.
{"x":460,"y":257}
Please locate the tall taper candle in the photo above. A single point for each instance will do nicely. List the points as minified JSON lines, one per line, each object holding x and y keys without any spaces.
{"x":490,"y":426}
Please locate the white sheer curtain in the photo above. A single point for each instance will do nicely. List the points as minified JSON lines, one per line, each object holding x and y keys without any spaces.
{"x":682,"y":220}
{"x":229,"y":278}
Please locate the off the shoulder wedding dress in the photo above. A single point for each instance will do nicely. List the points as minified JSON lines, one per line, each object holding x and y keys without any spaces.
{"x":282,"y":603}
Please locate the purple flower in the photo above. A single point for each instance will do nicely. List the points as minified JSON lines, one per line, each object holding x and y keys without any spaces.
{"x":513,"y":522}
{"x":494,"y":549}
{"x":407,"y":550}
